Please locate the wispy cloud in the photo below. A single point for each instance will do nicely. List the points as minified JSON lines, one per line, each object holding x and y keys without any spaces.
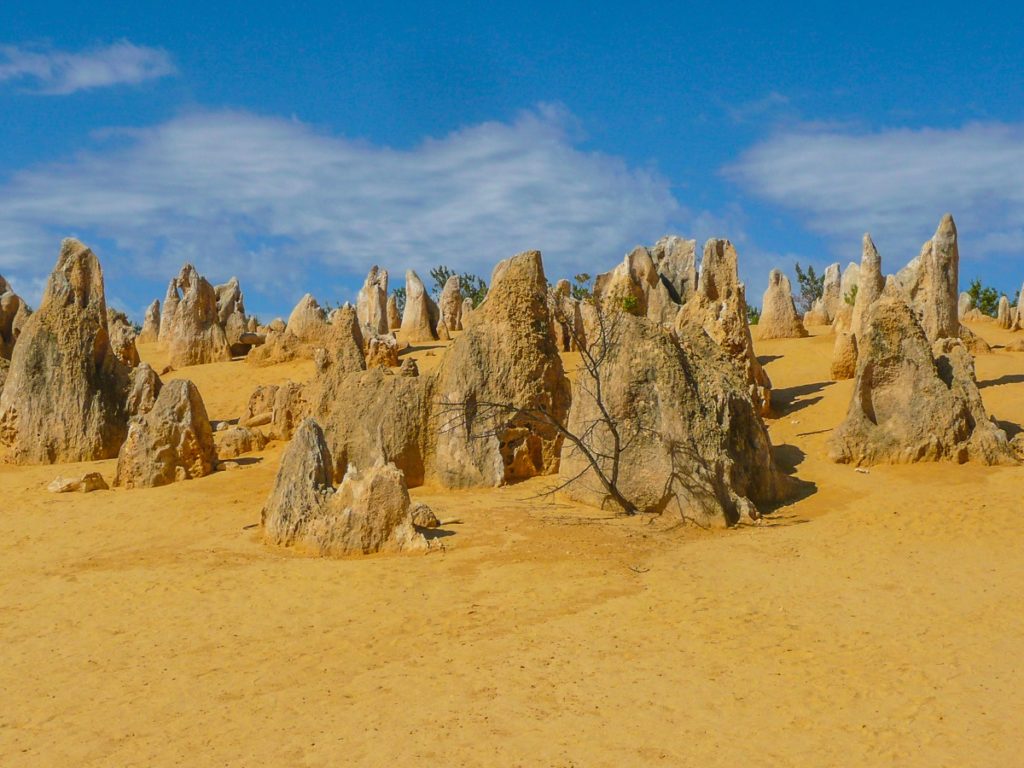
{"x":896,"y":184}
{"x":288,"y":207}
{"x":62,"y":72}
{"x":743,"y":112}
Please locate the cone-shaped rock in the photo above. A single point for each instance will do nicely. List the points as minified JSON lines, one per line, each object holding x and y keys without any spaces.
{"x":421,"y":315}
{"x":451,"y":304}
{"x":779,"y":319}
{"x":869,"y":285}
{"x":372,"y":302}
{"x":151,"y":324}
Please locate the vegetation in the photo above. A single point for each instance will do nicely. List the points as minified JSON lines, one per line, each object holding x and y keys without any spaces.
{"x":581,"y":290}
{"x":812,"y":288}
{"x":631,"y":305}
{"x":985,"y":297}
{"x":851,"y":296}
{"x":399,"y":294}
{"x":473,"y":287}
{"x":753,"y":315}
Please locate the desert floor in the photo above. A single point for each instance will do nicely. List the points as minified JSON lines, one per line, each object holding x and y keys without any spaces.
{"x":877,"y":621}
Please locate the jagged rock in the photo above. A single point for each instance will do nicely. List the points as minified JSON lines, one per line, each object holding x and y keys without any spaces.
{"x":964,"y":305}
{"x":870,"y":283}
{"x":676,"y":262}
{"x":170,"y":308}
{"x":230,"y":301}
{"x":196,"y":336}
{"x":122,"y":338}
{"x":421,"y":313}
{"x":409,"y":368}
{"x":144,"y":388}
{"x":87,"y":483}
{"x":369,"y":512}
{"x":636,"y":286}
{"x":173,"y":441}
{"x":13,"y":313}
{"x":506,"y":356}
{"x":831,"y":290}
{"x":909,"y":405}
{"x":394,"y":317}
{"x":566,"y":318}
{"x":236,"y":441}
{"x":941,"y":274}
{"x":844,"y":356}
{"x":778,"y":312}
{"x":150,"y":324}
{"x":720,"y":307}
{"x":1004,"y":317}
{"x":64,"y":399}
{"x":372,"y":303}
{"x":423,"y":516}
{"x":382,"y":352}
{"x":694,"y":443}
{"x":451,"y":304}
{"x":307,"y":320}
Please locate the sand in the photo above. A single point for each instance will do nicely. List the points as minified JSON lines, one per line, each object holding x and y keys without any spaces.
{"x":876,"y":621}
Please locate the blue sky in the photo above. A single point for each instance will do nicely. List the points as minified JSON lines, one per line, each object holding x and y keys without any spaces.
{"x":294,"y":147}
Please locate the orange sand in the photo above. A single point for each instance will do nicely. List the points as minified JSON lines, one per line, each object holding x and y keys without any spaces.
{"x":875,"y":622}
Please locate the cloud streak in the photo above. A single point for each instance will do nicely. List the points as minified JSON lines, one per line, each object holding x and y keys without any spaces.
{"x":896,"y":184}
{"x":286,"y":206}
{"x":55,"y":72}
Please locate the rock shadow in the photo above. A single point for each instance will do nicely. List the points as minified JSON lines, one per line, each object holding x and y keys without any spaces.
{"x":793,"y":399}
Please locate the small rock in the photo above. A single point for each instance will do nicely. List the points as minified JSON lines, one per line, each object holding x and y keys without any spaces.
{"x":423,"y":516}
{"x":91,"y":481}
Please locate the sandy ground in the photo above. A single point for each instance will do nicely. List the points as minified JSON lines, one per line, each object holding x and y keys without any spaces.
{"x":875,"y":622}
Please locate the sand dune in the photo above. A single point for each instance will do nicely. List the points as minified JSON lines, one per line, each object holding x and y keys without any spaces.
{"x":875,"y":621}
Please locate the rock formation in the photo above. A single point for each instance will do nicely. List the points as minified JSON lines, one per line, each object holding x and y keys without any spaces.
{"x":143,"y":390}
{"x":421,"y":315}
{"x":372,"y":303}
{"x":831,"y":291}
{"x":676,"y":262}
{"x":817,"y":314}
{"x":504,"y":366}
{"x":87,"y":483}
{"x":151,"y":324}
{"x":636,"y":286}
{"x":13,"y":314}
{"x":382,"y":352}
{"x":394,"y":318}
{"x":909,"y":406}
{"x":844,"y":356}
{"x":778,"y":312}
{"x":170,"y":308}
{"x":64,"y":399}
{"x":369,"y":512}
{"x":1004,"y":316}
{"x":451,"y":304}
{"x":308,"y":330}
{"x":964,"y":305}
{"x":173,"y":441}
{"x":695,"y":445}
{"x":122,"y":338}
{"x":870,"y":283}
{"x":236,"y":441}
{"x":195,"y":336}
{"x":720,"y":307}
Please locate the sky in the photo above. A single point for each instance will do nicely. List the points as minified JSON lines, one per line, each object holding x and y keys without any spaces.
{"x":296,"y":145}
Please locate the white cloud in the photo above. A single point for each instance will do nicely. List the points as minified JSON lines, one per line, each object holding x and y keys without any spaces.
{"x":289,"y":208}
{"x":896,"y":184}
{"x":62,"y":72}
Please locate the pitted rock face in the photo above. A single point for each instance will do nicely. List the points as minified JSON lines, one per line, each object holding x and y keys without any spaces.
{"x":912,"y":403}
{"x":64,"y":399}
{"x":368,"y":513}
{"x":779,"y":319}
{"x":636,"y":286}
{"x":676,"y":261}
{"x":172,"y":441}
{"x":195,"y":336}
{"x":372,"y":302}
{"x":122,"y":338}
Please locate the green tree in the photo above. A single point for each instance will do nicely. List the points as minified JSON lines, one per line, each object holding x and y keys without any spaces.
{"x":753,"y":315}
{"x":812,"y":287}
{"x":851,"y":295}
{"x":581,"y":287}
{"x":399,"y":294}
{"x":985,"y":297}
{"x":472,"y":286}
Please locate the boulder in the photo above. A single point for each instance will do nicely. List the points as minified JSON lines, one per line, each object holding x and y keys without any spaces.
{"x":372,"y":303}
{"x":719,"y":307}
{"x":778,"y":311}
{"x":423,"y":516}
{"x":909,"y":405}
{"x":236,"y":441}
{"x":694,"y":444}
{"x":144,"y":388}
{"x":501,"y":370}
{"x":409,"y":368}
{"x":451,"y":304}
{"x":382,"y":352}
{"x":87,"y":483}
{"x":173,"y":441}
{"x":307,"y":320}
{"x":421,"y":315}
{"x":816,"y":315}
{"x":368,"y":513}
{"x":150,"y":324}
{"x":676,"y":262}
{"x":196,"y":336}
{"x":122,"y":338}
{"x":64,"y":399}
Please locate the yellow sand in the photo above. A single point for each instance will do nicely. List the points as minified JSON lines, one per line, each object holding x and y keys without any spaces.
{"x":876,"y":622}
